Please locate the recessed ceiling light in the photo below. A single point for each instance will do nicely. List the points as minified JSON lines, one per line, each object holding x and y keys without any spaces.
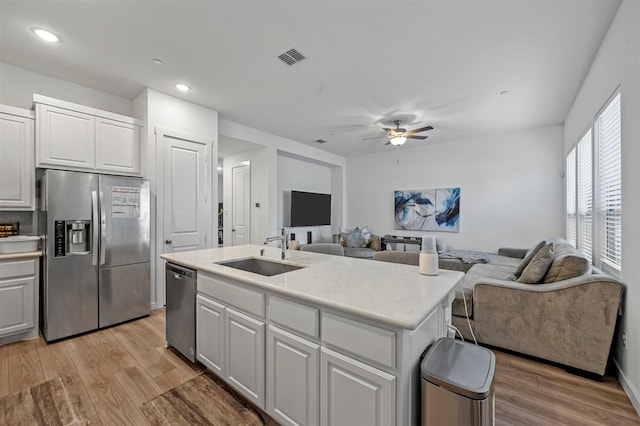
{"x":46,"y":35}
{"x":182,"y":87}
{"x":157,"y":61}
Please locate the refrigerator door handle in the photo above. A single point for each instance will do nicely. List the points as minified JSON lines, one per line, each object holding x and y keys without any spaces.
{"x":94,"y":227}
{"x":103,"y":230}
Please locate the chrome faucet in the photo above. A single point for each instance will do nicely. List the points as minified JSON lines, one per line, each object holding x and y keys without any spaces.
{"x":283,"y":242}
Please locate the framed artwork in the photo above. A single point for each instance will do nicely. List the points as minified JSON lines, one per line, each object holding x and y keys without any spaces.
{"x":428,"y":210}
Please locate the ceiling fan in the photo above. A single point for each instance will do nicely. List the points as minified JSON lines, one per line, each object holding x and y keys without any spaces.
{"x":399,"y":136}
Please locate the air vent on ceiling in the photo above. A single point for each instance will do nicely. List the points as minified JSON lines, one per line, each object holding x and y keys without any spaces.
{"x":291,"y":57}
{"x":320,"y":141}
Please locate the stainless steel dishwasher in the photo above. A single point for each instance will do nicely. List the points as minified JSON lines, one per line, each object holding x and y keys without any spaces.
{"x":181,"y":309}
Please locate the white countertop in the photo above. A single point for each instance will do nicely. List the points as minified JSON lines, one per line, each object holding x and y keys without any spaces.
{"x":23,"y":255}
{"x":390,"y":293}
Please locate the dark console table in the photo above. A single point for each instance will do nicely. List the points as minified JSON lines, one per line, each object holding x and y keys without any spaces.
{"x":392,"y":239}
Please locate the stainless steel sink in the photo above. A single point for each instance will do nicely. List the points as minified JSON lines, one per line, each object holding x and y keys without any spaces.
{"x":264,"y":267}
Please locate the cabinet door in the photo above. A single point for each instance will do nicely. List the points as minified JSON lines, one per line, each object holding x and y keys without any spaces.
{"x":117,"y":146}
{"x":16,"y":305}
{"x":353,"y":393}
{"x":210,"y":341}
{"x":17,"y":170}
{"x":64,"y":138}
{"x":245,"y":355}
{"x":292,"y":378}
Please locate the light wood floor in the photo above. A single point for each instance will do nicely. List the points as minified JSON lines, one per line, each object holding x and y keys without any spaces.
{"x":120,"y":368}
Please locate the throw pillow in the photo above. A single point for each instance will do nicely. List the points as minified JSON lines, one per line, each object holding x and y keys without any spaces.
{"x":567,"y":266}
{"x":355,"y":239}
{"x":344,"y":233}
{"x":538,"y":267}
{"x":366,"y":233}
{"x":528,"y":258}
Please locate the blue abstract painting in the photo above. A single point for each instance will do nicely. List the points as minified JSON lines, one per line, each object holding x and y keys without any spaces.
{"x":428,"y":210}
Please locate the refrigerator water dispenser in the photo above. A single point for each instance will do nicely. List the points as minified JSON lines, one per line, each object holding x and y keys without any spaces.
{"x":72,"y":236}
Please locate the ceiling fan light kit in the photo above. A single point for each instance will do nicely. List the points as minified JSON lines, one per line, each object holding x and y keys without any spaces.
{"x":399,"y":136}
{"x":397,"y":140}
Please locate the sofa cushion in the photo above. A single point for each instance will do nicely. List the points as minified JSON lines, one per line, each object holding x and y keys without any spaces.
{"x":567,"y":263}
{"x":481,"y":271}
{"x":360,"y":252}
{"x":538,"y":267}
{"x":396,"y":256}
{"x":496,"y":259}
{"x":528,"y":258}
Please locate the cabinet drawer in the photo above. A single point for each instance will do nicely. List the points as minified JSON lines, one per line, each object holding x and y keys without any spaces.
{"x":369,"y":342}
{"x":233,"y":294}
{"x":294,"y":316}
{"x":21,"y":268}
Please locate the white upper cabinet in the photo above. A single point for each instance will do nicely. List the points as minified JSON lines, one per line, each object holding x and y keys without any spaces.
{"x":65,"y":138}
{"x":75,"y":137}
{"x":17,"y":172}
{"x":117,"y":146}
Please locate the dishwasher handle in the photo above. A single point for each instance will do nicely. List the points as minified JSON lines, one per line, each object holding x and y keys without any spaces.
{"x":179,"y":271}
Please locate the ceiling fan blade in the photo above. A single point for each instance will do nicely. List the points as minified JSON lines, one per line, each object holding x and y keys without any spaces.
{"x":416,"y":137}
{"x":388,"y":143}
{"x":375,"y":137}
{"x":423,"y":129}
{"x":386,"y":129}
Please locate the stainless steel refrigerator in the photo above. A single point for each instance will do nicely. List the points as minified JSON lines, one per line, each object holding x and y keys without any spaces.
{"x":96,"y":263}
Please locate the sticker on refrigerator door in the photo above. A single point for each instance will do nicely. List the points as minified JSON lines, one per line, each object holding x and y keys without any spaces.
{"x":125,"y":202}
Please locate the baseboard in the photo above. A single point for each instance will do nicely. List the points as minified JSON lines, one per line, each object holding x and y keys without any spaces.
{"x":629,"y":388}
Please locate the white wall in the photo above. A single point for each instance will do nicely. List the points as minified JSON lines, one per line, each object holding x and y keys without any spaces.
{"x":618,"y":64}
{"x":511,"y":189}
{"x":269,"y":215}
{"x":299,"y":175}
{"x":17,"y":86}
{"x":160,"y":110}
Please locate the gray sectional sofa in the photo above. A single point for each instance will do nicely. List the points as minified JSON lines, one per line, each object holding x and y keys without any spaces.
{"x":568,"y":317}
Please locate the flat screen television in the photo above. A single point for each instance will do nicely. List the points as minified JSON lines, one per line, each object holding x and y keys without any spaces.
{"x":310,"y":209}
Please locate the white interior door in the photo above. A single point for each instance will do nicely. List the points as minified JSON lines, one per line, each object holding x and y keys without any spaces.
{"x":183,"y":186}
{"x":184,"y":193}
{"x":241,"y":205}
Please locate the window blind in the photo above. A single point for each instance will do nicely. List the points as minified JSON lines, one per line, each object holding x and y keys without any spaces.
{"x":610,"y":185}
{"x":585,"y":196}
{"x":571,"y":197}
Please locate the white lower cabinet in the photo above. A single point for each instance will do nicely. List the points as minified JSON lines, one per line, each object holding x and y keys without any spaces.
{"x":17,"y":296}
{"x":210,"y":334}
{"x":232,"y":345}
{"x":245,"y":338}
{"x":302,"y":364}
{"x":293,"y":365}
{"x":354,"y":393}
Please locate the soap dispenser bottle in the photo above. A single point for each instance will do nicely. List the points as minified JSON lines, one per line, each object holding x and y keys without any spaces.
{"x":428,"y":261}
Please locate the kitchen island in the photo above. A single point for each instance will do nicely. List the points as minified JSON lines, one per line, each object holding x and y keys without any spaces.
{"x":337,"y":341}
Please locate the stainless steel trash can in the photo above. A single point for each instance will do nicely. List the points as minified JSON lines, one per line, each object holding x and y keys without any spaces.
{"x":457,"y":384}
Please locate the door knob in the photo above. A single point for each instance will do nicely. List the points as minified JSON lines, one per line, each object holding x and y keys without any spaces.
{"x":168,"y":241}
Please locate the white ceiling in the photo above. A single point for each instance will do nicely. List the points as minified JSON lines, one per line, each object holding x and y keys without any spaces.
{"x":439,"y":63}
